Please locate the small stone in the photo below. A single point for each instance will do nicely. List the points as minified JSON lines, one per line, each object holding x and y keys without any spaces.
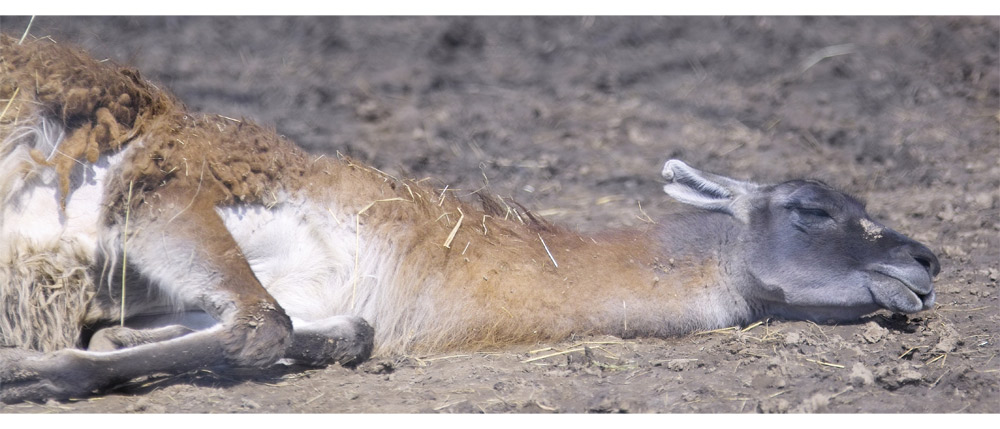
{"x":861,"y":376}
{"x":779,"y":406}
{"x":948,"y":214}
{"x":894,"y":377}
{"x":769,"y":381}
{"x":874,"y":333}
{"x":680,"y":364}
{"x":949,"y":340}
{"x":984,"y":200}
{"x":908,"y":376}
{"x":249,"y":404}
{"x":814,"y":404}
{"x":955,"y":251}
{"x":144,"y":405}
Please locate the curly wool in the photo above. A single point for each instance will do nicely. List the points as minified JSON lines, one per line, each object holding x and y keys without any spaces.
{"x":38,"y":288}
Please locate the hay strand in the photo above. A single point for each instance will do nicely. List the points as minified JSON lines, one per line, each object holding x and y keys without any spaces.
{"x":357,"y":252}
{"x":9,"y":102}
{"x":552,"y":355}
{"x":759,"y":322}
{"x":128,"y":210}
{"x":645,"y":216}
{"x":444,"y":358}
{"x":625,"y":317}
{"x":715,"y":331}
{"x":451,"y":236}
{"x":441,"y":198}
{"x":27,"y":30}
{"x":910,"y":350}
{"x":547,"y":251}
{"x":819,"y":362}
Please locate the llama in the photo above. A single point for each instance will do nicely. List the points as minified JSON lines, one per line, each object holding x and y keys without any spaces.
{"x":139,"y":238}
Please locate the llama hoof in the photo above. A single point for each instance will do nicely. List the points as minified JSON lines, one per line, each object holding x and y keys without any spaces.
{"x":348,"y":340}
{"x":257,"y":338}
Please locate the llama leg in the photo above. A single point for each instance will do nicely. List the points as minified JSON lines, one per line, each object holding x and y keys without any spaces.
{"x":123,"y":337}
{"x":347,"y":340}
{"x":152,"y":328}
{"x":32,"y":376}
{"x":184,"y":247}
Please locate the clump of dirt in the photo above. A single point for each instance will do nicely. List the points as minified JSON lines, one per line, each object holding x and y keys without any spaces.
{"x":574,"y":117}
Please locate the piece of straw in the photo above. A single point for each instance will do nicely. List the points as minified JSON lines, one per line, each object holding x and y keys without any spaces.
{"x":552,"y":354}
{"x":128,"y":209}
{"x":447,"y":242}
{"x":825,"y":363}
{"x":547,"y":251}
{"x":9,"y":102}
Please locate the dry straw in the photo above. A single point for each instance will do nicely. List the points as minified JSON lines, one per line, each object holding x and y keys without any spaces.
{"x":9,"y":102}
{"x":451,"y":236}
{"x":547,"y":251}
{"x":128,"y":210}
{"x":26,"y":30}
{"x":819,"y":362}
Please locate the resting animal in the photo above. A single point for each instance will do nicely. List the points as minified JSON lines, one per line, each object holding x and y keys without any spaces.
{"x":218,"y":242}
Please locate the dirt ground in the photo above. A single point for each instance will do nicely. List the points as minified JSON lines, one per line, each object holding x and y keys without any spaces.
{"x":574,"y":117}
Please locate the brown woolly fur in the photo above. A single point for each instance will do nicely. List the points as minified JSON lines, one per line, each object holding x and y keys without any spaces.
{"x":222,"y":161}
{"x":102,"y":106}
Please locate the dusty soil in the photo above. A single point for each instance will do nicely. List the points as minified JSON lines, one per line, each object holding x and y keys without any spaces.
{"x":574,"y":117}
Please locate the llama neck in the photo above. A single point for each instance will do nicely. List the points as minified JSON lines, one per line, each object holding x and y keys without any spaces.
{"x":660,"y":280}
{"x":502,"y":282}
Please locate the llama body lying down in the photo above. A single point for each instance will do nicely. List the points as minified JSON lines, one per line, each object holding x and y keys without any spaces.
{"x":273,"y":253}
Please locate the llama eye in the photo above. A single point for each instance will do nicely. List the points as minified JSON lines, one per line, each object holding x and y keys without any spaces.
{"x":812,"y":212}
{"x":806,"y":218}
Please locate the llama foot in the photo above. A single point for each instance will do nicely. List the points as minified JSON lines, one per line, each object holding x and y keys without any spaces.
{"x":348,"y":340}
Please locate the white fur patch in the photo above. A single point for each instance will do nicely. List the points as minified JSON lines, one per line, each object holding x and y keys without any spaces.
{"x":46,"y":253}
{"x":31,"y":216}
{"x":306,"y":257}
{"x":319,"y":262}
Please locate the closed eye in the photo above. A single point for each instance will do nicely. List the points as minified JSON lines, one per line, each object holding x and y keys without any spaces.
{"x":813,"y":212}
{"x":809,"y":210}
{"x":807,"y":218}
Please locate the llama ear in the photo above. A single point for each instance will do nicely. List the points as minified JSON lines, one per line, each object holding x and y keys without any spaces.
{"x":705,"y":190}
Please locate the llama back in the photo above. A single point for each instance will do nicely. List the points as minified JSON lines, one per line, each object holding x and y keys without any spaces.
{"x":85,"y":142}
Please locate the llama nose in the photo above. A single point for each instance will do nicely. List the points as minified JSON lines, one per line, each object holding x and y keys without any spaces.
{"x":925,"y":257}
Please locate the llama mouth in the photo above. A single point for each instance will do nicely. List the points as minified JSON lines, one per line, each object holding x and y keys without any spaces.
{"x":917,"y":294}
{"x":915,"y":279}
